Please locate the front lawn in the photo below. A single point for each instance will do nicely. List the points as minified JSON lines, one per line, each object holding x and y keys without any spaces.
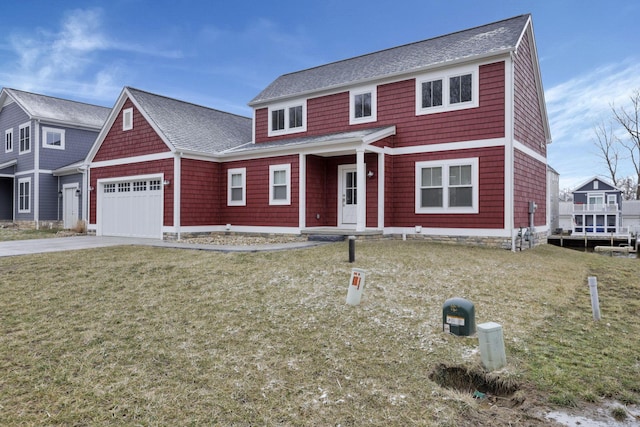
{"x":156,"y":336}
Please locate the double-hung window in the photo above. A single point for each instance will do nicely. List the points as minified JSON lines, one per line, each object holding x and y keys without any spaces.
{"x":363,"y":105}
{"x":447,"y":186}
{"x":280,"y":184}
{"x":25,"y":138}
{"x":53,"y":138}
{"x":237,"y":187}
{"x":448,"y":90}
{"x":24,"y":195}
{"x":8,"y":140}
{"x":289,"y":118}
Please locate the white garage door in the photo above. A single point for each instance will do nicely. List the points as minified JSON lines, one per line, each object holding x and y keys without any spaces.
{"x":132,"y":208}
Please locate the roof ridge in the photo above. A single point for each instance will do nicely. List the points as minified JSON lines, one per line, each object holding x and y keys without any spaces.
{"x":129,"y":88}
{"x":364,"y":55}
{"x":10,"y":90}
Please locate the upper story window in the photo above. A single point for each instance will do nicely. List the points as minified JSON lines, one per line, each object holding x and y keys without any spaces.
{"x":363,"y":105}
{"x":447,"y":186}
{"x":8,"y":140}
{"x":280,"y":184}
{"x":236,"y":187}
{"x":447,"y":90}
{"x":287,"y":118}
{"x":25,"y":138}
{"x":127,"y":119}
{"x":53,"y":138}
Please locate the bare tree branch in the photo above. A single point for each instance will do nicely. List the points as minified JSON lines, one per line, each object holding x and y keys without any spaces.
{"x":608,"y":149}
{"x":630,"y":122}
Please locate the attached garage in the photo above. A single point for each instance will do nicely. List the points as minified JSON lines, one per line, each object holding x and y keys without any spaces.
{"x":130,"y":207}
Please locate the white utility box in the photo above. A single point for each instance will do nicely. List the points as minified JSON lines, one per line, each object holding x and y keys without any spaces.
{"x":491,"y":346}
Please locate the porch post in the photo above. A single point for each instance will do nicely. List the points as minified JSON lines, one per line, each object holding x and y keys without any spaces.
{"x":361,"y":207}
{"x":302,"y":191}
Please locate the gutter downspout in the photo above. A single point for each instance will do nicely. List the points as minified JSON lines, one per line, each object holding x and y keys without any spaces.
{"x":36,"y":176}
{"x":509,"y":148}
{"x":177,"y":164}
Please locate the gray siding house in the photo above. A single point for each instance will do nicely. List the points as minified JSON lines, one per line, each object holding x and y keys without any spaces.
{"x":597,"y":208}
{"x":44,"y":142}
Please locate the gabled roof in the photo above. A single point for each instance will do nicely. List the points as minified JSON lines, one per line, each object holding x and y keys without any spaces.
{"x":487,"y":40}
{"x":580,"y":188}
{"x":56,"y":110}
{"x":183,"y":126}
{"x":190,"y":127}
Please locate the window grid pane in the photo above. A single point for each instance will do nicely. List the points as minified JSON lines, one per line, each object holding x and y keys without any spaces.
{"x":295,"y":117}
{"x":432,"y":94}
{"x":277,"y":120}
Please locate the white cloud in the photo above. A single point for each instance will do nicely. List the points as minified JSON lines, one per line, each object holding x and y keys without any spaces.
{"x":79,"y":59}
{"x":576,"y":106}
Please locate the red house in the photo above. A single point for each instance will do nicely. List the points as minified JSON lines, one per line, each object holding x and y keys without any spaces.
{"x":444,"y":138}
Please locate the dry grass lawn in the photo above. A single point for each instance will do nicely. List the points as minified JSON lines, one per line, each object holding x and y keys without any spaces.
{"x":154,"y":336}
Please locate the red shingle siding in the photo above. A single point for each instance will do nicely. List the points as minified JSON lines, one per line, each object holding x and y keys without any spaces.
{"x":316,"y":192}
{"x":200,"y":188}
{"x":528,"y":121}
{"x":400,"y":192}
{"x":158,"y":166}
{"x":530,"y":184}
{"x":396,"y":106}
{"x":139,"y":141}
{"x":257,"y":211}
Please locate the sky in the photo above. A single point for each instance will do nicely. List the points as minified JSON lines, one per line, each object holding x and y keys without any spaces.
{"x":222,"y":54}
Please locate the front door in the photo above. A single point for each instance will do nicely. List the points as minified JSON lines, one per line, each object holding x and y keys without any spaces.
{"x":348,"y":195}
{"x":70,"y":207}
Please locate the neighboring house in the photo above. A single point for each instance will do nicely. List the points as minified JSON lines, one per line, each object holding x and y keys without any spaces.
{"x":596,"y":208}
{"x":444,"y":138}
{"x":41,"y":137}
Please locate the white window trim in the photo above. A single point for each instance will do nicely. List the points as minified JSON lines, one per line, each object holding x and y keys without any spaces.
{"x":28,"y":196}
{"x":286,"y":106}
{"x":235,"y":171}
{"x":25,"y":125}
{"x":373,"y":90}
{"x":6,"y":146}
{"x":45,"y":130}
{"x":127,"y":124}
{"x":445,"y":75}
{"x":445,"y":165}
{"x":287,"y":169}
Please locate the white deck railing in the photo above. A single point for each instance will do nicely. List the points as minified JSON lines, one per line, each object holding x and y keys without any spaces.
{"x":610,"y":207}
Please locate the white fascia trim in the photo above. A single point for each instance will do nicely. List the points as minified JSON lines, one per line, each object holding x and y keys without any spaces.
{"x":129,"y":178}
{"x":529,"y":152}
{"x":381,"y":134}
{"x":128,"y":160}
{"x":29,"y":172}
{"x":447,"y":146}
{"x":8,"y":164}
{"x":470,"y":232}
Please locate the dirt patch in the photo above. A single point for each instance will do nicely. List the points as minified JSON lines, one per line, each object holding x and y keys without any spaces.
{"x":473,"y":380}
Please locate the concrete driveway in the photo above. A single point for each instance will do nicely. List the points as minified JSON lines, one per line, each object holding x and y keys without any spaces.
{"x":59,"y":244}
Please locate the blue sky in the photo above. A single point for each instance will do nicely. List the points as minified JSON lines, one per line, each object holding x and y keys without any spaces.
{"x":222,"y":54}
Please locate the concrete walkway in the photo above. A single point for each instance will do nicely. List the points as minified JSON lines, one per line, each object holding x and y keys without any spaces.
{"x":59,"y":244}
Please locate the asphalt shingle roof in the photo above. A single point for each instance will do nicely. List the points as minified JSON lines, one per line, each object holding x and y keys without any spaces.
{"x":191,"y":127}
{"x":492,"y":38}
{"x":58,"y":110}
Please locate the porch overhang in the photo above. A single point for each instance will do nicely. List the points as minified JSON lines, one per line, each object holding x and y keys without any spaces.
{"x":72,"y":169}
{"x":323,"y":145}
{"x":7,"y":165}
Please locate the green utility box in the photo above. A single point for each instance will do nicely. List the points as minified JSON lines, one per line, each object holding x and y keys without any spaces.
{"x":459,"y":317}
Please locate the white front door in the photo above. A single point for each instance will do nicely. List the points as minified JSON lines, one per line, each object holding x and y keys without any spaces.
{"x":70,"y":203}
{"x":347,"y":195}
